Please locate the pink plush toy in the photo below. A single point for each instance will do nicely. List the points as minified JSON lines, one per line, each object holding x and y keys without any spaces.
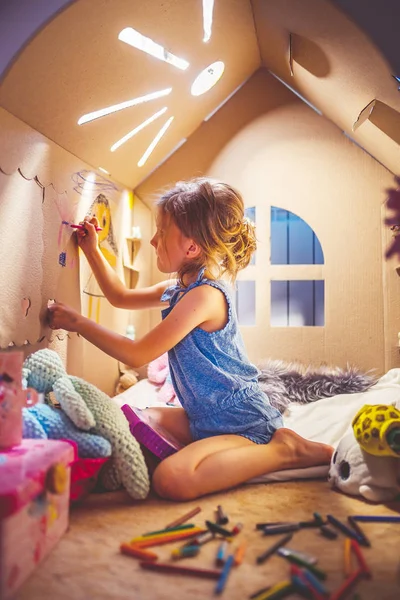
{"x":158,"y":373}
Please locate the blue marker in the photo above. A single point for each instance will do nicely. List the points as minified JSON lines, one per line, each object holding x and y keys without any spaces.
{"x":224,"y":574}
{"x":220,"y":558}
{"x":377,"y":519}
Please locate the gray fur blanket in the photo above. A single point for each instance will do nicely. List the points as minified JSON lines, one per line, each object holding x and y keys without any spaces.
{"x":293,"y":382}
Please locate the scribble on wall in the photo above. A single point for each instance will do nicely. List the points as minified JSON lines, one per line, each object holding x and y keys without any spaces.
{"x":86,"y":181}
{"x":108,"y":247}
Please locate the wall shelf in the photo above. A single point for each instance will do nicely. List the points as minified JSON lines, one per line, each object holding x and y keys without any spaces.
{"x":129,"y":260}
{"x":131,"y":249}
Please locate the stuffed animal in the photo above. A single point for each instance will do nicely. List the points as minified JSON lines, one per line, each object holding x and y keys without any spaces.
{"x":91,"y":409}
{"x":128,"y":378}
{"x":158,"y":373}
{"x":44,"y":422}
{"x":367,"y":459}
{"x":377,"y":429}
{"x":358,"y":473}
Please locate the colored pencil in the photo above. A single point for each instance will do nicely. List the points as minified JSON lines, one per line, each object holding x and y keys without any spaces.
{"x":222,"y":519}
{"x":360,"y":558}
{"x":260,"y":592}
{"x":184,"y":518}
{"x":181,"y":570}
{"x":272,"y":549}
{"x":307,"y":558}
{"x":363,"y":540}
{"x":301,"y":563}
{"x":137,"y":552}
{"x":277,"y":591}
{"x":342,"y":527}
{"x":263,"y":525}
{"x":239,"y":553}
{"x":166,"y":539}
{"x":219,"y":588}
{"x":344,"y":588}
{"x":151,"y":534}
{"x":201,"y":539}
{"x":184,"y":552}
{"x":237,"y":529}
{"x":275,"y":529}
{"x":312,"y":585}
{"x":327,"y":532}
{"x":220,"y":557}
{"x":377,"y":518}
{"x":215,"y":528}
{"x":347,"y":557}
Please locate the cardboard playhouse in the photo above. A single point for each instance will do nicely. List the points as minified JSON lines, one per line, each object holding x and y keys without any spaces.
{"x":301,"y":113}
{"x":105,"y":104}
{"x":295,"y":103}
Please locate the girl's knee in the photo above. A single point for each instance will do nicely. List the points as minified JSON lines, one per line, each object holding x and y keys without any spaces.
{"x":173,"y":483}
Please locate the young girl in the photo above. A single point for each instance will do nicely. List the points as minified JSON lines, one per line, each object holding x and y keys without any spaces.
{"x":232,"y":432}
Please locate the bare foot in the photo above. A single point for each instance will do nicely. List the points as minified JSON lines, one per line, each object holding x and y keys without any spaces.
{"x":300,"y":452}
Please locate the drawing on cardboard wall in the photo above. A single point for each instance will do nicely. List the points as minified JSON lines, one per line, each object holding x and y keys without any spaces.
{"x":30,"y":263}
{"x":88,"y":182}
{"x":101,"y":210}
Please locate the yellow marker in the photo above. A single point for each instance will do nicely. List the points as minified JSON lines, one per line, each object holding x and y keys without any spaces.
{"x":177,"y":533}
{"x":347,"y":557}
{"x":276,"y":588}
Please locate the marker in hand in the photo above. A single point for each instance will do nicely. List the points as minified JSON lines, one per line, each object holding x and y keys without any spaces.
{"x":83,"y":227}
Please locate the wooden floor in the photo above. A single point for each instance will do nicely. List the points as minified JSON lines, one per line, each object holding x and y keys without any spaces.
{"x":87,"y":563}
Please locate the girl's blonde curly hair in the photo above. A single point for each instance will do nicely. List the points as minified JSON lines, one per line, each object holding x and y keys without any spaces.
{"x":212,"y":214}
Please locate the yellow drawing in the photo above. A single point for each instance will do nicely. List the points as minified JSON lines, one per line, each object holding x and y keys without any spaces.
{"x":101,"y":210}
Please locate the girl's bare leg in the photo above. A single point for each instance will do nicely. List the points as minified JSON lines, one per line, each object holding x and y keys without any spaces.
{"x":222,"y":462}
{"x":173,"y":419}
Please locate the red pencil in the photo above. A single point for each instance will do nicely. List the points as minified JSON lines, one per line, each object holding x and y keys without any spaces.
{"x":346,"y":585}
{"x":178,"y":569}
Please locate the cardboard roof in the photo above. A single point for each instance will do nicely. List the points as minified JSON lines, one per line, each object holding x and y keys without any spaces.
{"x":75,"y":64}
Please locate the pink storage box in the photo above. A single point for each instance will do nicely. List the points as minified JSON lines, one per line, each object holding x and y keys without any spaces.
{"x":34,"y":506}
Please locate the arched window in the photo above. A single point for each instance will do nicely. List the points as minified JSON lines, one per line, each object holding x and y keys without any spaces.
{"x":246,"y":290}
{"x":295,"y":302}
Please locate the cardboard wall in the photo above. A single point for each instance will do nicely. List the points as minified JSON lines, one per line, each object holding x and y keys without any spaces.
{"x":41,"y":185}
{"x":279,"y":152}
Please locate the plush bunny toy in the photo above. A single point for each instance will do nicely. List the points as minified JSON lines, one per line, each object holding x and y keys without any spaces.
{"x":91,"y":410}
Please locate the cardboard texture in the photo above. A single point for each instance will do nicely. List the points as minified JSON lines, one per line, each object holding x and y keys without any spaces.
{"x":331,"y":168}
{"x":250,"y":129}
{"x":33,"y":236}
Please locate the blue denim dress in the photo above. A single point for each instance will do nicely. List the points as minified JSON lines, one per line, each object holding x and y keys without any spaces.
{"x":214,"y":379}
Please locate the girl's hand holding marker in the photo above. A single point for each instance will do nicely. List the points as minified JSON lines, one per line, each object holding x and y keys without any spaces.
{"x":86,"y":235}
{"x":82,"y":227}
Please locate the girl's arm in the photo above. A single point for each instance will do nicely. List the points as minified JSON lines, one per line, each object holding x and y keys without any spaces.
{"x":117,"y":293}
{"x":110,"y":284}
{"x":196,"y":308}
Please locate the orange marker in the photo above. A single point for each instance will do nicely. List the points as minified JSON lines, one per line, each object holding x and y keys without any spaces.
{"x":137,"y":552}
{"x":239,"y":554}
{"x":347,"y":557}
